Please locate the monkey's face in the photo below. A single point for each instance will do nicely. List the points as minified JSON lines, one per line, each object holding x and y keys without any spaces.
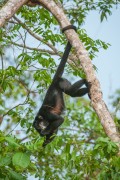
{"x":42,"y":123}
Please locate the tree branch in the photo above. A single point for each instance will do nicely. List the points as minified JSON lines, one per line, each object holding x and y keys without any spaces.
{"x":82,"y":54}
{"x":72,"y":57}
{"x":34,"y":49}
{"x":35,"y":35}
{"x":9,"y":9}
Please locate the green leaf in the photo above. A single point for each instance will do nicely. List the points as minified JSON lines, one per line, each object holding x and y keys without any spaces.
{"x":102,"y":139}
{"x":95,"y":49}
{"x":2,"y":138}
{"x":15,"y":176}
{"x":5,"y":161}
{"x":12,"y":141}
{"x":21,"y":159}
{"x":67,"y":148}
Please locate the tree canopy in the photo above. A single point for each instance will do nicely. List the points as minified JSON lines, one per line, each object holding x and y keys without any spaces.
{"x":31,"y":47}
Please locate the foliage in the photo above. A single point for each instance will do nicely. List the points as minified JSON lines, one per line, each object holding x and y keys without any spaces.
{"x":79,"y":9}
{"x":29,"y":44}
{"x":80,"y":150}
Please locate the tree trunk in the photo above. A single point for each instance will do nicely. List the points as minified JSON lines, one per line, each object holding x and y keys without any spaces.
{"x":9,"y":9}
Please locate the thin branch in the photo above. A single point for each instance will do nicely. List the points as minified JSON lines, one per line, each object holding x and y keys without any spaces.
{"x":35,"y":35}
{"x":13,"y":128}
{"x":20,"y":104}
{"x":13,"y":108}
{"x":23,"y":139}
{"x":34,"y":49}
{"x":25,"y":86}
{"x":72,"y":58}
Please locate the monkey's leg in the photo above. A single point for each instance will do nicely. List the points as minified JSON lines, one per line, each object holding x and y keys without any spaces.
{"x":54,"y":122}
{"x":74,"y":89}
{"x":79,"y":92}
{"x":77,"y":85}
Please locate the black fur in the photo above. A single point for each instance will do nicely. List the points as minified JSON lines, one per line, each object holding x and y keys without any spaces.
{"x":48,"y":118}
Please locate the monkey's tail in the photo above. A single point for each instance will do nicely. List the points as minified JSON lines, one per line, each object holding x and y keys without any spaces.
{"x":61,"y":66}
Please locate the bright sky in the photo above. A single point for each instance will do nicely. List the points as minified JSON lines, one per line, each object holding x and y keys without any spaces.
{"x":107,"y":62}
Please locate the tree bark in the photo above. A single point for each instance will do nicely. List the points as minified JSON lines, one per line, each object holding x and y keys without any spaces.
{"x":82,"y":54}
{"x":9,"y":9}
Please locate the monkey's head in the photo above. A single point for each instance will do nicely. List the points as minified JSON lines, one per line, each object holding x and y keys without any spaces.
{"x":42,"y":123}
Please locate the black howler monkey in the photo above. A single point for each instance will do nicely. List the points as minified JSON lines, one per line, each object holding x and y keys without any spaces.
{"x":48,"y":118}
